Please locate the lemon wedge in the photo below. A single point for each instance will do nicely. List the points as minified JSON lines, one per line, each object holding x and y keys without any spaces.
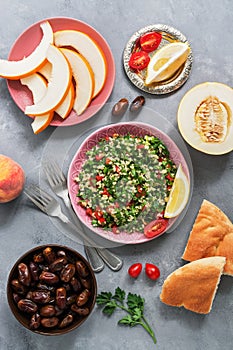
{"x":166,"y":61}
{"x":178,"y":196}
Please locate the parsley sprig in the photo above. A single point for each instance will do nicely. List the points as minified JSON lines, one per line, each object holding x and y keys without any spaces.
{"x":134,"y":306}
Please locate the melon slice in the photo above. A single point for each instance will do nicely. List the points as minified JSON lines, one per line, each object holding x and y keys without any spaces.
{"x":64,"y":109}
{"x":17,"y":69}
{"x":205,"y":118}
{"x":88,"y":49}
{"x":41,"y":122}
{"x":38,"y":86}
{"x":58,"y":85}
{"x":84,"y":79}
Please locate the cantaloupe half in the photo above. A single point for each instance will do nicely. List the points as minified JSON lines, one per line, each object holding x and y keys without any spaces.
{"x":64,"y":109}
{"x":17,"y":69}
{"x":84,"y":79}
{"x":58,"y":85}
{"x":82,"y":43}
{"x":38,"y":87}
{"x":205,"y":118}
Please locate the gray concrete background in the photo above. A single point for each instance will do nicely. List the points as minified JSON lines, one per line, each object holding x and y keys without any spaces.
{"x":208,"y":26}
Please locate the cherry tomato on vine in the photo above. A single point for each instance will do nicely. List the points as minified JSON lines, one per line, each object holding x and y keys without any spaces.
{"x":150,"y":41}
{"x":139,"y":60}
{"x":152,"y":271}
{"x":155,"y":228}
{"x":135,"y":270}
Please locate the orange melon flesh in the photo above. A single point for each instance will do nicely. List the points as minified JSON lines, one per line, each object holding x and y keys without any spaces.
{"x":17,"y":69}
{"x":63,"y":109}
{"x":84,"y":79}
{"x":38,"y":86}
{"x":41,"y":122}
{"x":82,"y":43}
{"x":58,"y":85}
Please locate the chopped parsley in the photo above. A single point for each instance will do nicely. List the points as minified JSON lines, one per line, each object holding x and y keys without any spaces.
{"x":125,"y":182}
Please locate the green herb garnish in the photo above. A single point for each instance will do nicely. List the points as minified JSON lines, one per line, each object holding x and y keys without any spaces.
{"x":134,"y":306}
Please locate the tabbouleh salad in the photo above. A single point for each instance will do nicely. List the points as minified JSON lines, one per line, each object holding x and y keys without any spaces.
{"x":125,"y":182}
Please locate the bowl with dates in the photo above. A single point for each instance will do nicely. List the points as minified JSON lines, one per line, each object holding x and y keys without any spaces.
{"x":51,"y":289}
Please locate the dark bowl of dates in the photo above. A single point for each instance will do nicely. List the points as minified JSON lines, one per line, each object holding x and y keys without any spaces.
{"x":51,"y":289}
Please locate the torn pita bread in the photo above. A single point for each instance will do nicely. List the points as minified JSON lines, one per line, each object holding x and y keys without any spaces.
{"x":194,"y":285}
{"x":211,"y":235}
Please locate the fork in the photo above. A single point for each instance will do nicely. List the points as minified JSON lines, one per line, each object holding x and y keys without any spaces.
{"x":58,"y":183}
{"x":51,"y":207}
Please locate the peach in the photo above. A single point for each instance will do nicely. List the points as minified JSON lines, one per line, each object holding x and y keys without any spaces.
{"x":12,"y":179}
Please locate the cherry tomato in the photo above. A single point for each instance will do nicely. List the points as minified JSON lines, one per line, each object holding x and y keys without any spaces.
{"x":99,"y":177}
{"x":135,"y":270}
{"x":155,"y":228}
{"x":98,"y":214}
{"x":152,"y":271}
{"x":89,"y":211}
{"x":169,"y":177}
{"x":107,"y":161}
{"x":99,"y":156}
{"x":115,"y":229}
{"x":139,"y":60}
{"x":150,"y":41}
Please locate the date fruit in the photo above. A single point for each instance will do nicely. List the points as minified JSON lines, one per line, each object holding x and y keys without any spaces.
{"x":120,"y":107}
{"x":67,"y":320}
{"x":48,"y":277}
{"x":48,"y":311}
{"x":52,"y":288}
{"x":61,"y":298}
{"x":35,"y":321}
{"x":67,"y":272}
{"x":58,"y":264}
{"x":40,"y":296}
{"x":28,"y":306}
{"x":83,"y":297}
{"x":82,"y":269}
{"x":82,"y":311}
{"x":76,"y":285}
{"x":49,"y":255}
{"x":38,"y":258}
{"x":24,"y":274}
{"x":137,"y":104}
{"x":18,"y":287}
{"x":50,"y":322}
{"x":34,"y":270}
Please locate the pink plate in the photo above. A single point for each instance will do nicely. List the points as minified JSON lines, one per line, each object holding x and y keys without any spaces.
{"x":28,"y":41}
{"x":137,"y":129}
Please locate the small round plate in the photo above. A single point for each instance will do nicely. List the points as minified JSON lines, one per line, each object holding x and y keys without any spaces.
{"x":134,"y":128}
{"x":169,"y":35}
{"x":27,"y":42}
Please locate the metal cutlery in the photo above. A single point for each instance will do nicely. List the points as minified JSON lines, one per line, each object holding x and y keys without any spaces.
{"x":57,"y":182}
{"x":51,"y":207}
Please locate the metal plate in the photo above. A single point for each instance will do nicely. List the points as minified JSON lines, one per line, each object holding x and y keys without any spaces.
{"x":169,"y":35}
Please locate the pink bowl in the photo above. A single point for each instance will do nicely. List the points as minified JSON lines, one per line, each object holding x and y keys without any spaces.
{"x":28,"y":41}
{"x":136,"y":129}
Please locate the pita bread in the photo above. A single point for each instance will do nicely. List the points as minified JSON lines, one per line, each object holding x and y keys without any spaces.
{"x":211,"y":235}
{"x":194,"y":285}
